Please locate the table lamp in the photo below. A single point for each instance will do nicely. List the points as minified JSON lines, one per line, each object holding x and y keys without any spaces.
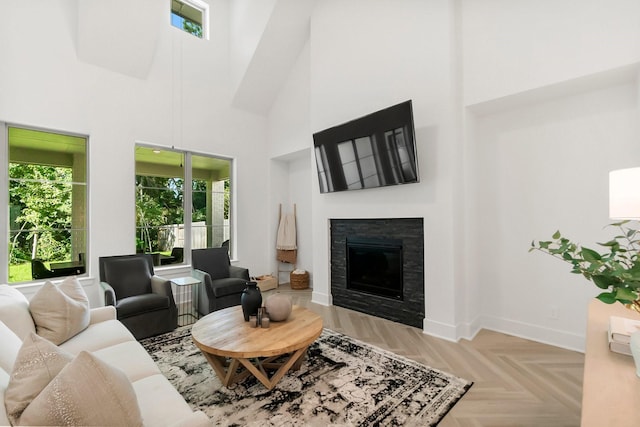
{"x":624,"y":194}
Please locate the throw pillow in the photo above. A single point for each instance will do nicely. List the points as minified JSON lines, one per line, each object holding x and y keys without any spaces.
{"x":87,"y":392}
{"x":60,"y":312}
{"x":10,"y":347}
{"x":37,"y":363}
{"x":14,"y":311}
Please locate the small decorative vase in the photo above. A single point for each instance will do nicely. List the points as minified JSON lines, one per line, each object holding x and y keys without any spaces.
{"x":251,"y":300}
{"x":634,"y":343}
{"x":279,"y":307}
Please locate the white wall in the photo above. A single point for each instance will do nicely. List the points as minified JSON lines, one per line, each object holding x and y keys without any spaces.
{"x":552,"y":107}
{"x":183,"y":102}
{"x":514,"y":46}
{"x":248,"y":20}
{"x":540,"y":168}
{"x":368,"y":55}
{"x":290,"y":141}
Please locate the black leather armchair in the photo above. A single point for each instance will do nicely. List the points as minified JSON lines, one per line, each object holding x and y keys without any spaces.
{"x":221,"y":283}
{"x":144,"y":302}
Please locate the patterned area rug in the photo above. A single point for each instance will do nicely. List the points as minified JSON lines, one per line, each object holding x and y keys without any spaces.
{"x":343,"y":382}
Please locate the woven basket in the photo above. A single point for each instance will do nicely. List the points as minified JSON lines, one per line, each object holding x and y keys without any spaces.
{"x":287,"y":256}
{"x":299,"y":281}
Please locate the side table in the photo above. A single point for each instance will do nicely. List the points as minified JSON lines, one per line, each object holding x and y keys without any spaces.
{"x":187,"y":310}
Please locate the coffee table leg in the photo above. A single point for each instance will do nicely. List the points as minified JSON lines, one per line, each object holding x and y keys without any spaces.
{"x":225,"y":371}
{"x":296,"y":366}
{"x":270,"y":383}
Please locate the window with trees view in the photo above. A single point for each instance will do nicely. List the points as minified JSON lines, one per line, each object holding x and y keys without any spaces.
{"x":173,"y":217}
{"x":47,"y":204}
{"x":190,"y":16}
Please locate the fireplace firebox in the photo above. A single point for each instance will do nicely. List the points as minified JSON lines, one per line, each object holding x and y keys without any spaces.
{"x":375,"y":266}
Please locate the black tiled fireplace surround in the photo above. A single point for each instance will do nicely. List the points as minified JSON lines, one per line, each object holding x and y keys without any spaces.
{"x":409,"y":310}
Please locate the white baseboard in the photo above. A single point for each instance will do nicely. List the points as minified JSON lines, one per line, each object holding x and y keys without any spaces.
{"x":537,"y":333}
{"x":440,"y":330}
{"x":321,"y":298}
{"x":527,"y":331}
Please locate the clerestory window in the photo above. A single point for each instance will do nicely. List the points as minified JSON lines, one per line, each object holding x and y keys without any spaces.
{"x":191,"y":16}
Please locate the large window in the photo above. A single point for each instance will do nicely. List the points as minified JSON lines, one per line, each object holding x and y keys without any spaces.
{"x":47,"y":204}
{"x":172,"y":218}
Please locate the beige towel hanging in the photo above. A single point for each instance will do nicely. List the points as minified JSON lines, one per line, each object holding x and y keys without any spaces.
{"x":287,"y":233}
{"x":286,"y":240}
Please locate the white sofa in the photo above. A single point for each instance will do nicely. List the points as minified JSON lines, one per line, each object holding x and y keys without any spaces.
{"x":159,"y":402}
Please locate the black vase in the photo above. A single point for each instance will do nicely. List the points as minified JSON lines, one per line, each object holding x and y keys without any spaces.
{"x":251,"y":300}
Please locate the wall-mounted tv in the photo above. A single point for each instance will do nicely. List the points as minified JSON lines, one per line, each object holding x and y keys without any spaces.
{"x":376,"y":150}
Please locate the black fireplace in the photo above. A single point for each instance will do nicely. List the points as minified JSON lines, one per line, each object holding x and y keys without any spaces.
{"x":375,"y":266}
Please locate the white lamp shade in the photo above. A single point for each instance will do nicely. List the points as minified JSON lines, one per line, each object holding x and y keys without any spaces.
{"x":624,"y":194}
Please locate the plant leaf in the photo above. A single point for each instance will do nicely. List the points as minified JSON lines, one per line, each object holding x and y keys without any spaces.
{"x":590,"y":255}
{"x":607,"y":297}
{"x":623,"y":294}
{"x":603,"y":282}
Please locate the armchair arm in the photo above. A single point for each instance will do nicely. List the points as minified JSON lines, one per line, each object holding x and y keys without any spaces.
{"x":239,"y":272}
{"x":162,"y":286}
{"x":206,"y":291}
{"x":109,"y":294}
{"x":206,"y":281}
{"x":201,"y":275}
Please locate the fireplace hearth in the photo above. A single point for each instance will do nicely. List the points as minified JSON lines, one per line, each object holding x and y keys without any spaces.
{"x":377,"y":267}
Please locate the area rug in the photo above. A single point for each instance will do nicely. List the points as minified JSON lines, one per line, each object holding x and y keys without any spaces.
{"x":343,"y":382}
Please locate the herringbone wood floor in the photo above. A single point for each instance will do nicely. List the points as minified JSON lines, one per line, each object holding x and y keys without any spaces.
{"x":516,"y":382}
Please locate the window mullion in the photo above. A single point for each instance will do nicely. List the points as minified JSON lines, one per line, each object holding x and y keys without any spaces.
{"x":188,"y":198}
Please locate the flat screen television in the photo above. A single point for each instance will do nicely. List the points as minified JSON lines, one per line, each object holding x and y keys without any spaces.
{"x":376,"y":150}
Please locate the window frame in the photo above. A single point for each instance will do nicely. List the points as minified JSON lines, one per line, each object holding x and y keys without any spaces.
{"x":5,"y":227}
{"x":188,"y":197}
{"x":199,"y":5}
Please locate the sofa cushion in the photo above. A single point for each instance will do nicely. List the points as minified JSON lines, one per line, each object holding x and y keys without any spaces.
{"x":228,"y":286}
{"x":60,"y":312}
{"x":86,"y":392}
{"x":98,"y":336}
{"x":139,"y":304}
{"x":36,"y":364}
{"x":10,"y":347}
{"x":162,"y":404}
{"x":14,"y":311}
{"x":131,"y":358}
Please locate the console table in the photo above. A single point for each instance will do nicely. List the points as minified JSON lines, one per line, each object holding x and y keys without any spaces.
{"x":610,"y":388}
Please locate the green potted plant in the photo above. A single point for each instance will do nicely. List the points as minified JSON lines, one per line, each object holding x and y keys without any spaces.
{"x":616,"y":271}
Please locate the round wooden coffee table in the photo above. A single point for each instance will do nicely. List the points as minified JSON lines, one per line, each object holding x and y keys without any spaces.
{"x":235,"y":350}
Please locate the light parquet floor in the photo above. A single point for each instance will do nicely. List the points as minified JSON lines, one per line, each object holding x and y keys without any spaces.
{"x":516,"y":382}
